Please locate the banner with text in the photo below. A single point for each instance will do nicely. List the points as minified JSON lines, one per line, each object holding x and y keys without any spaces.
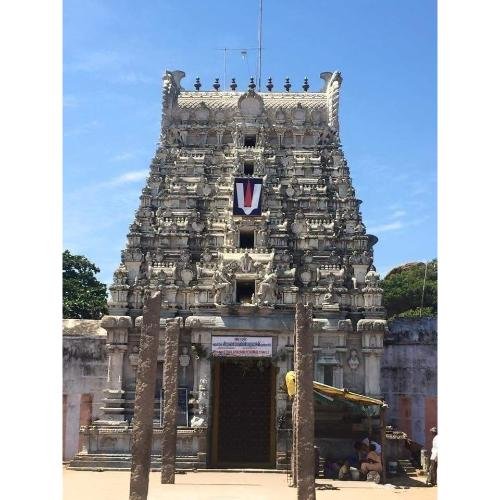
{"x":248,"y":347}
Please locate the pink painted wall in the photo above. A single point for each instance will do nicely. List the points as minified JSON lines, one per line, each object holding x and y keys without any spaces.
{"x":65,"y":406}
{"x":405,"y":421}
{"x":430,"y":419}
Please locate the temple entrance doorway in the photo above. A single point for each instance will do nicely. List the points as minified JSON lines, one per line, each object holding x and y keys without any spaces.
{"x":243,"y":416}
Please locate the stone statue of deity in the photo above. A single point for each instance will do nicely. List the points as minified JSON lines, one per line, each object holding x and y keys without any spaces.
{"x":353,"y":360}
{"x":267,"y":290}
{"x":329,"y":296}
{"x":184,"y":360}
{"x":246,"y":262}
{"x":223,"y":287}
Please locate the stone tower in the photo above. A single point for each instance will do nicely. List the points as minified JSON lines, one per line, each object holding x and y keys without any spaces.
{"x":248,"y":208}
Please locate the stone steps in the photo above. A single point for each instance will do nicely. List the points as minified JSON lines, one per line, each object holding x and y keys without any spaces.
{"x":407,"y":467}
{"x":109,"y":461}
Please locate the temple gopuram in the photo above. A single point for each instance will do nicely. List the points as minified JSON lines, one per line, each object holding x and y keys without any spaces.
{"x":248,"y":208}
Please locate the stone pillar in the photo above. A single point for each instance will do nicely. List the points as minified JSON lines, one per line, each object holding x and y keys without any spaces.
{"x":142,"y":432}
{"x":294,"y":415}
{"x":72,"y":426}
{"x":170,"y":369}
{"x":293,"y":458}
{"x":372,"y":342}
{"x":117,"y":328}
{"x":305,"y":407}
{"x":204,"y":374}
{"x":204,"y":389}
{"x":85,"y":421}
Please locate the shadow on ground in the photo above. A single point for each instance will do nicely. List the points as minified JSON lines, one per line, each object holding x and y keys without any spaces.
{"x":403,"y":481}
{"x":326,"y":487}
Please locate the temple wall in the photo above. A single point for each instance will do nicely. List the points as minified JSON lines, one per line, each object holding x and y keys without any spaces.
{"x":409,"y":376}
{"x":84,"y":378}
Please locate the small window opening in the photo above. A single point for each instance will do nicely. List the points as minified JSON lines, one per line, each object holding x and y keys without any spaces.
{"x":247,"y":238}
{"x":244,"y":291}
{"x":248,"y":168}
{"x":328,"y":374}
{"x":250,"y":141}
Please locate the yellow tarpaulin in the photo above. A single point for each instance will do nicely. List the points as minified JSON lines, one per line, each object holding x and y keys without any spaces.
{"x":290,"y":383}
{"x":332,"y":391}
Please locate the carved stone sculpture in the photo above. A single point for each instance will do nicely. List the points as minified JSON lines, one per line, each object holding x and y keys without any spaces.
{"x":246,"y":262}
{"x":266,"y":292}
{"x":353,"y":360}
{"x":223,"y":288}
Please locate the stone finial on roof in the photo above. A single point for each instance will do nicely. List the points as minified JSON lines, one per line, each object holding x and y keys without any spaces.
{"x":306,"y":84}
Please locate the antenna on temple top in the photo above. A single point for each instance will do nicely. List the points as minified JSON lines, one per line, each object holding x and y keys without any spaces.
{"x":244,"y":54}
{"x":259,"y":59}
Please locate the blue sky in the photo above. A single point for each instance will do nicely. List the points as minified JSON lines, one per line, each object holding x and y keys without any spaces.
{"x":116,"y":51}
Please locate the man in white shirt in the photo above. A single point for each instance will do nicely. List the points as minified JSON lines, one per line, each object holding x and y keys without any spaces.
{"x":432,"y":475}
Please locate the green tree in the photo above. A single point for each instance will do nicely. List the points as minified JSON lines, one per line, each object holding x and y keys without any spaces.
{"x":403,"y":288}
{"x":84,"y":297}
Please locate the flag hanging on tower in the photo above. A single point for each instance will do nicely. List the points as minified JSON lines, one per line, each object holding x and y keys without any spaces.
{"x":247,"y":196}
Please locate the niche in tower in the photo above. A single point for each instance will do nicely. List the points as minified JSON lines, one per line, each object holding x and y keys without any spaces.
{"x":248,"y":168}
{"x":250,"y":140}
{"x":244,"y":291}
{"x":247,"y":238}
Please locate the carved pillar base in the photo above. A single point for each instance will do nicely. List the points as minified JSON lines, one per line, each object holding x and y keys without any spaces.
{"x":117,"y":328}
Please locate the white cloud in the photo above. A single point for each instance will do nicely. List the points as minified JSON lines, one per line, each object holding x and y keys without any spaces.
{"x":82,"y":129}
{"x":397,"y":214}
{"x":122,"y":157}
{"x":92,"y":62}
{"x":123,"y":179}
{"x":127,"y":177}
{"x":392,"y":226}
{"x":115,"y":67}
{"x":131,"y":77}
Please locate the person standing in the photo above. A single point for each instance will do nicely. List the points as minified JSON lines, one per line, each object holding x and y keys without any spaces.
{"x":432,"y":474}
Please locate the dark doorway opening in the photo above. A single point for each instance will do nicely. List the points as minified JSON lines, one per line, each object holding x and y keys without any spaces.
{"x":243,"y":433}
{"x":250,"y":141}
{"x":248,"y":168}
{"x":244,"y":291}
{"x":328,"y":374}
{"x":247,"y":238}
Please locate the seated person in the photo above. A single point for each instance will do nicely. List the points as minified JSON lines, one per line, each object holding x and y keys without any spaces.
{"x":372,"y":462}
{"x":330,"y":467}
{"x":378,"y":448}
{"x":358,"y":456}
{"x":345,"y":472}
{"x":367,"y":442}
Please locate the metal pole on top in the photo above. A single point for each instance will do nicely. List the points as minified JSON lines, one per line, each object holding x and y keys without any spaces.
{"x":259,"y":59}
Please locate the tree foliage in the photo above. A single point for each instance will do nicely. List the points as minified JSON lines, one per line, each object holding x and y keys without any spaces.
{"x":84,"y":297}
{"x":403,"y":288}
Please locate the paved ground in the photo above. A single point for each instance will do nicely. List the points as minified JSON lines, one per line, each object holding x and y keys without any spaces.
{"x":82,"y":485}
